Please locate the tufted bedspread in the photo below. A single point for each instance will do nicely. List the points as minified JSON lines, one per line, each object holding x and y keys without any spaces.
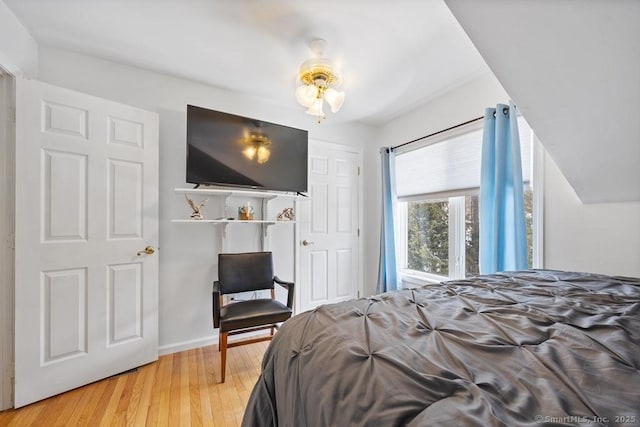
{"x":527,"y":348}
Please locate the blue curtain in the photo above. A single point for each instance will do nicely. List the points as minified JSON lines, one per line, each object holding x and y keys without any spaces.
{"x":387,"y":274}
{"x":503,"y":240}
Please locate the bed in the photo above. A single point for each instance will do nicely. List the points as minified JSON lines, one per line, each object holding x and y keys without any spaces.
{"x":525,"y":348}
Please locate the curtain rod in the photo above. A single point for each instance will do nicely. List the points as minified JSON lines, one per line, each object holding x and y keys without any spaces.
{"x":505,"y":110}
{"x":437,"y":133}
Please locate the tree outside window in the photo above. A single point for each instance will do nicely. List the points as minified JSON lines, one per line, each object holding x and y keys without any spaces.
{"x":428,"y":230}
{"x":428,"y":237}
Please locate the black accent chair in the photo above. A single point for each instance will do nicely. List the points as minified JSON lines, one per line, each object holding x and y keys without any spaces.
{"x":246,"y":272}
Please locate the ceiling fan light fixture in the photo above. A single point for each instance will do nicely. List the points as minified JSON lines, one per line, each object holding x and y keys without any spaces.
{"x":335,"y":99}
{"x":306,"y":95}
{"x":316,"y":109}
{"x":318,"y":77}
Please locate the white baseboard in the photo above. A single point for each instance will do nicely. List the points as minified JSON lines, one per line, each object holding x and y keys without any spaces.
{"x":187,"y":345}
{"x":201,"y":342}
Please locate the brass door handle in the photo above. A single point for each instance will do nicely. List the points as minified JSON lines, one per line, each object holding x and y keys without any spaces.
{"x":148,"y":250}
{"x":306,"y":243}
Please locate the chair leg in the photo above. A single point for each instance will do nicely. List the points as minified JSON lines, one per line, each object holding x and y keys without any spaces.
{"x":272,"y":330}
{"x":223,"y":355}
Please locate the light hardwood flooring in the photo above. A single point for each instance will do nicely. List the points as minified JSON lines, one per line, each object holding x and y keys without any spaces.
{"x":180,"y":389}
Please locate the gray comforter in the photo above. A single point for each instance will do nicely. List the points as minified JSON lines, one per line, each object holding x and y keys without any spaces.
{"x":521,"y":349}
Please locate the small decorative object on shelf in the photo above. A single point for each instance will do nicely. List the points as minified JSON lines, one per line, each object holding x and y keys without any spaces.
{"x":246,"y":212}
{"x":286,"y":215}
{"x":196,"y":214}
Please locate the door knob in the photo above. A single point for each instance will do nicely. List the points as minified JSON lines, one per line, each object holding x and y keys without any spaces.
{"x":148,"y":250}
{"x":306,"y":243}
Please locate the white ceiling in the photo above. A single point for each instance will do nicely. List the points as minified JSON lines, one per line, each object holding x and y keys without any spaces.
{"x":394,"y":55}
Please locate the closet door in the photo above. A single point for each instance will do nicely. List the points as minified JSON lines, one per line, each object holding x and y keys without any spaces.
{"x":86,"y":292}
{"x":329,"y":228}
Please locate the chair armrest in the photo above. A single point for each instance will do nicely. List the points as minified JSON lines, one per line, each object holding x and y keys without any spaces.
{"x":290,"y":287}
{"x":215,"y":304}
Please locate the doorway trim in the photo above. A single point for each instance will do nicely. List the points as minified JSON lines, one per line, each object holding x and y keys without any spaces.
{"x":7,"y":236}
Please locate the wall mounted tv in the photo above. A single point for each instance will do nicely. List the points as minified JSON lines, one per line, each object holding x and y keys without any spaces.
{"x":229,"y":150}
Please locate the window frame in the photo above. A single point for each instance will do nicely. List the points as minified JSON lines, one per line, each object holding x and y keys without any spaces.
{"x":456,"y":200}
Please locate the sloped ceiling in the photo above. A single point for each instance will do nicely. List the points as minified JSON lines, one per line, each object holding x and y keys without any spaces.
{"x":573,"y":69}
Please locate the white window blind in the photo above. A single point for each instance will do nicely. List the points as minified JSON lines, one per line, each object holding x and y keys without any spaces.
{"x":451,"y":166}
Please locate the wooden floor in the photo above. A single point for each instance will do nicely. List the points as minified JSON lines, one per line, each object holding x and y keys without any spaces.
{"x":180,"y":389}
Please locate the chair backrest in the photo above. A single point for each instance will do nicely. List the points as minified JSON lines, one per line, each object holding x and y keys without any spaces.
{"x":243,"y":272}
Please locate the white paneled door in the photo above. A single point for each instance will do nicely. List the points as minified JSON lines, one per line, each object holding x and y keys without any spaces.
{"x":329,"y":247}
{"x":86,"y":295}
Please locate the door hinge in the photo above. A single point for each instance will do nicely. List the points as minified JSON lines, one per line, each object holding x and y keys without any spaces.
{"x":358,"y":170}
{"x":358,"y":294}
{"x":12,"y":115}
{"x":358,"y":232}
{"x":11,"y":241}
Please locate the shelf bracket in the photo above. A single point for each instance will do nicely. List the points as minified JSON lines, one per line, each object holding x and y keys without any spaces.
{"x":224,"y":230}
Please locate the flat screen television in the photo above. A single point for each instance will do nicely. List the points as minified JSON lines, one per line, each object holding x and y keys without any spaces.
{"x":229,"y":150}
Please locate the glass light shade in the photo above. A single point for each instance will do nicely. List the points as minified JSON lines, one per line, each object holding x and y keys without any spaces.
{"x":335,"y":99}
{"x":263,"y":154}
{"x":316,"y":108}
{"x":249,"y":152}
{"x":306,"y":95}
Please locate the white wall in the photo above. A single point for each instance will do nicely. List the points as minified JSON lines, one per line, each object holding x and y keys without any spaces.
{"x":187,"y":252}
{"x":18,"y":50}
{"x":597,"y":238}
{"x":457,"y":106}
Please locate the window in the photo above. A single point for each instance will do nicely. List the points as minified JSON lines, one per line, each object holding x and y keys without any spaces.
{"x":438,"y":192}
